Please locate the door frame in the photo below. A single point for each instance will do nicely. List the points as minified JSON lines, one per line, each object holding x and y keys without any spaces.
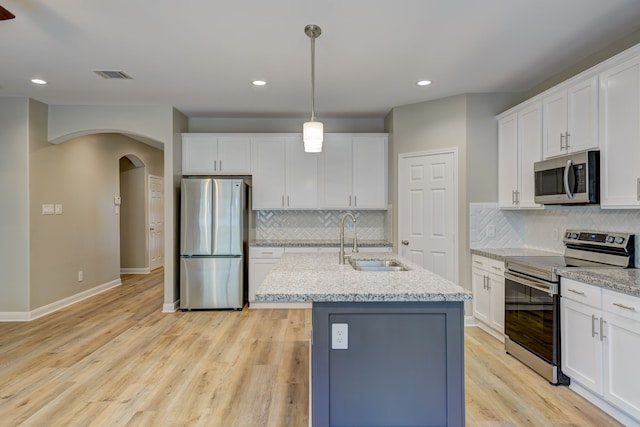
{"x":162,"y":239}
{"x":456,"y":184}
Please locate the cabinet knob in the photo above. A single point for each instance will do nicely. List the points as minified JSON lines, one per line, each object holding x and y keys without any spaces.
{"x":405,"y":242}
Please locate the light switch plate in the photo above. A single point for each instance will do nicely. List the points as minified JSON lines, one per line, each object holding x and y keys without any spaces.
{"x":47,"y":209}
{"x":58,"y":209}
{"x":339,"y":336}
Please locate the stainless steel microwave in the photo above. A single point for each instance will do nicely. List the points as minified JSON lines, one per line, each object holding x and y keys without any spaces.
{"x":570,"y":179}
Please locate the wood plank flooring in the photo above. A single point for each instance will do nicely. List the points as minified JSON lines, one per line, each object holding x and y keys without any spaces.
{"x":116,"y":360}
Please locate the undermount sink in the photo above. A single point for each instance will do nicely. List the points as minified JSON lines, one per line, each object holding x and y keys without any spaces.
{"x":377,"y":265}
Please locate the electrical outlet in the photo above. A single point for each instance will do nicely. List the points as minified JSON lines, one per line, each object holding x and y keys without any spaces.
{"x":491,"y":230}
{"x":80,"y":275}
{"x":555,"y":234}
{"x":339,"y":336}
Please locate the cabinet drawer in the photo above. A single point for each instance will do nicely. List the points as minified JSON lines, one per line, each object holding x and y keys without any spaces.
{"x":478,"y":261}
{"x":581,"y":292}
{"x":496,"y":267}
{"x":260,"y":252}
{"x":621,"y":304}
{"x":300,"y":249}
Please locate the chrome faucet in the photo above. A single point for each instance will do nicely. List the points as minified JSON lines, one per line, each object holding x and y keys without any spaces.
{"x":355,"y":236}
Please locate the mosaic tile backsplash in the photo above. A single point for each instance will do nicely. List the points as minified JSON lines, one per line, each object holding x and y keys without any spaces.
{"x":316,"y":225}
{"x":537,"y":229}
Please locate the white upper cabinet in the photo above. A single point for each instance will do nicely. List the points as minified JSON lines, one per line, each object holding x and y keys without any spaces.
{"x":353,"y":172}
{"x":571,"y":118}
{"x":207,"y":154}
{"x":620,"y":135}
{"x":284,"y":176}
{"x":519,"y":147}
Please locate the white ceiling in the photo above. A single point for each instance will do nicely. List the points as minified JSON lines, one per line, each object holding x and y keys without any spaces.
{"x":201,"y":55}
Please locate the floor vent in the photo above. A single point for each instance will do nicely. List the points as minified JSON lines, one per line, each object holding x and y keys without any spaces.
{"x":112,"y":74}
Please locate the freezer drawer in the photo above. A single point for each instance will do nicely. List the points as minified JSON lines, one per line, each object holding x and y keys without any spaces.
{"x":211,"y":283}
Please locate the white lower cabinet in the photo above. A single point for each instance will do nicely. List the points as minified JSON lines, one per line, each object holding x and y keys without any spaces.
{"x":600,"y":332}
{"x":487,"y":284}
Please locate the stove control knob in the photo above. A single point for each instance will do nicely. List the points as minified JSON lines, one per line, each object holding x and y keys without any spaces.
{"x":567,"y":235}
{"x":574,"y":235}
{"x":610,"y":239}
{"x":619,"y":240}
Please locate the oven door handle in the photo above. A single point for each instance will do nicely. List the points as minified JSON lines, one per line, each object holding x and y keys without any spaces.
{"x":549,"y":288}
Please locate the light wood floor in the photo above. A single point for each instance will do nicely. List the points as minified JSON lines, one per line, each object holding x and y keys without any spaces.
{"x":116,"y":360}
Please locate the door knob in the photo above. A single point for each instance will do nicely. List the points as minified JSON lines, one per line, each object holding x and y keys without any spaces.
{"x":405,"y":242}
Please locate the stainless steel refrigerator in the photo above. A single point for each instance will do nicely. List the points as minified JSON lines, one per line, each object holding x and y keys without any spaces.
{"x":212,"y":242}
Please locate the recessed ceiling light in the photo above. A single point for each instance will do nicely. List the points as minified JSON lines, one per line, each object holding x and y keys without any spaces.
{"x":259,"y":83}
{"x":38,"y":81}
{"x":424,"y":83}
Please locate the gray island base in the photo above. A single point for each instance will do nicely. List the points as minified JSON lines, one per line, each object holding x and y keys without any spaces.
{"x":387,"y":347}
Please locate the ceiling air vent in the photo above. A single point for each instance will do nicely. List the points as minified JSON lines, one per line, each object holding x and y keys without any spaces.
{"x":112,"y":74}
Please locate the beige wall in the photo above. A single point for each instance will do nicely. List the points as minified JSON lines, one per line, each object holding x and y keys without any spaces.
{"x":83,"y":175}
{"x":14,"y":205}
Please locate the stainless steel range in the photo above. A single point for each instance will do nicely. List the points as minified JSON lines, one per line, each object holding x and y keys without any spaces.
{"x":532,"y":297}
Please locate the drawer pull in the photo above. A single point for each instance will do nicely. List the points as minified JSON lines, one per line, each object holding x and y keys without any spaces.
{"x":626,"y":307}
{"x":478,"y":262}
{"x":268,"y":253}
{"x":495,"y":268}
{"x":576,"y":292}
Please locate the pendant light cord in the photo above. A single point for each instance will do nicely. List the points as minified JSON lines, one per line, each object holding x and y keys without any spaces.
{"x":313,"y":78}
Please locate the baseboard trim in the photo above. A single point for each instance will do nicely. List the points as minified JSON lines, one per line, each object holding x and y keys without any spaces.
{"x":598,"y":401}
{"x":57,"y":305}
{"x":470,"y":321}
{"x":171,"y":308}
{"x":144,"y":270}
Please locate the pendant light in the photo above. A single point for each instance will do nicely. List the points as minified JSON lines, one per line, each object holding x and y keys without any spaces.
{"x":312,"y":130}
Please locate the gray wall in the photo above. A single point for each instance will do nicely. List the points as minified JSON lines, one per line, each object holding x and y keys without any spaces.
{"x":14,"y":208}
{"x":283,"y":124}
{"x":465,"y":122}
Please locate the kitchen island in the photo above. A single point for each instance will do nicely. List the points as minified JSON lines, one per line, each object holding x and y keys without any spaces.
{"x":387,"y":346}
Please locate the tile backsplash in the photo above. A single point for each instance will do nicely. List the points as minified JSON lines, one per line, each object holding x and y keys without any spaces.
{"x":316,"y":225}
{"x":537,"y":229}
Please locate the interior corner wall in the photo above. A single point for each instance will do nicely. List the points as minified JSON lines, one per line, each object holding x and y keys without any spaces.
{"x":133,"y":219}
{"x":14,"y":208}
{"x":82,"y":175}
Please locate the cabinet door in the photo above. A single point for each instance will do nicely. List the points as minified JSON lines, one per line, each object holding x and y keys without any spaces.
{"x":199,"y":155}
{"x":301,"y":176}
{"x":258,"y":270}
{"x":268,"y":190}
{"x":555,"y":123}
{"x":622,"y":376}
{"x":507,"y":160}
{"x":481,"y":295}
{"x":496,"y":287}
{"x":234,"y":155}
{"x":619,"y":132}
{"x":370,"y":173}
{"x":581,"y":345}
{"x":582,"y":115}
{"x":530,"y":148}
{"x":335,"y":173}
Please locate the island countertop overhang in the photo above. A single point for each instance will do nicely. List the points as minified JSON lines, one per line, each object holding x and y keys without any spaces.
{"x":318,"y":277}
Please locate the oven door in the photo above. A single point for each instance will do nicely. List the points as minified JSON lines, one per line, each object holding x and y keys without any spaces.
{"x":531,"y":315}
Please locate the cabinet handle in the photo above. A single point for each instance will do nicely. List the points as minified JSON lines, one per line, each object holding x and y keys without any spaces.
{"x":267,"y":253}
{"x":496,"y":268}
{"x":566,"y":140}
{"x":478,"y":262}
{"x":215,"y":166}
{"x":283,"y":201}
{"x":513,"y":197}
{"x":287,"y":201}
{"x":220,"y":165}
{"x":355,"y":201}
{"x":561,"y":147}
{"x":626,"y":307}
{"x":488,"y":284}
{"x":593,"y":326}
{"x":602,"y":322}
{"x":350,"y":197}
{"x":576,"y":292}
{"x":517,"y":197}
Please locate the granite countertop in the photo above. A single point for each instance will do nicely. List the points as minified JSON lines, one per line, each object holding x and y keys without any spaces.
{"x":319,"y":243}
{"x":625,"y":280}
{"x":300,"y":277}
{"x":501,"y":253}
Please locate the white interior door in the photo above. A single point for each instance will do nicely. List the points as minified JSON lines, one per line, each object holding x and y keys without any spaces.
{"x":156,"y":222}
{"x":427,"y":211}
